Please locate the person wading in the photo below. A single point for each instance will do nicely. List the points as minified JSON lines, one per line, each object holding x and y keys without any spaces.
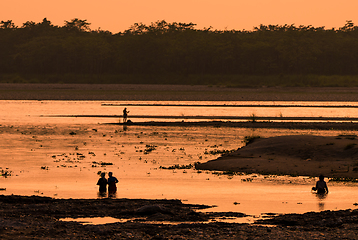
{"x":321,"y":186}
{"x":125,"y":115}
{"x":112,"y":181}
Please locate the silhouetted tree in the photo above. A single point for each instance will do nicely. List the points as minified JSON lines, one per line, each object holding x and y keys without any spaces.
{"x":177,"y":48}
{"x":77,"y":25}
{"x":7,"y":24}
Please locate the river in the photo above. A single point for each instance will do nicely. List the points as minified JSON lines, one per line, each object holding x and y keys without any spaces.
{"x":49,"y":155}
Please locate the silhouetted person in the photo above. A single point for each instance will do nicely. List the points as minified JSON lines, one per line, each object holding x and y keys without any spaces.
{"x":321,"y":186}
{"x":102,"y":183}
{"x":112,"y":188}
{"x":125,"y":115}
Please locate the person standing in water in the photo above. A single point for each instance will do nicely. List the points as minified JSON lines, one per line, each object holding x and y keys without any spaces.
{"x":321,"y":186}
{"x":112,"y":188}
{"x":102,"y":183}
{"x":125,"y":115}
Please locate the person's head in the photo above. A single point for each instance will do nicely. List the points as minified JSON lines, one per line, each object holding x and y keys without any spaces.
{"x":103,"y":174}
{"x":321,"y":177}
{"x":110,"y":174}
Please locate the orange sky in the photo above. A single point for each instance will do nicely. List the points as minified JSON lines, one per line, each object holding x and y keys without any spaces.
{"x":119,"y":15}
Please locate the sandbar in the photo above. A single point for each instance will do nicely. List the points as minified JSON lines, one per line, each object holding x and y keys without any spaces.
{"x":295,"y":155}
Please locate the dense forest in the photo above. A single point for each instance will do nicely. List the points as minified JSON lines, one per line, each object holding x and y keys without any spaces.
{"x":178,"y":53}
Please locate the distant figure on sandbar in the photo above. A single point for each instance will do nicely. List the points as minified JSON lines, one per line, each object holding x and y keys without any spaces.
{"x":125,"y":115}
{"x":102,"y":183}
{"x":321,"y":186}
{"x":112,"y":188}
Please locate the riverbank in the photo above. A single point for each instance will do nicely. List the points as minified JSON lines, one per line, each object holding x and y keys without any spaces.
{"x":150,"y":92}
{"x":41,"y":218}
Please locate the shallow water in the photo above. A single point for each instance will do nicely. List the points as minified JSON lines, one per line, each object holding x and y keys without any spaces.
{"x":25,"y":112}
{"x":43,"y":158}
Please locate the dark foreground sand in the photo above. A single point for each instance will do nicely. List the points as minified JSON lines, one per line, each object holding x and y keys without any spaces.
{"x":39,"y":218}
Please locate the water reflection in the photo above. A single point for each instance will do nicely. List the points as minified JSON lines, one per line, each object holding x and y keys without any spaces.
{"x":101,"y":195}
{"x":112,"y":195}
{"x":321,"y":200}
{"x":109,"y":220}
{"x":95,"y":220}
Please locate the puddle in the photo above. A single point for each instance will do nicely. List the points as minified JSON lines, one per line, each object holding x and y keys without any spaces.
{"x":95,"y":220}
{"x":109,"y":220}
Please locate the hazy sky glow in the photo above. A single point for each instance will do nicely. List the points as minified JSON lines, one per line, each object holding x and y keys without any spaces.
{"x":119,"y":15}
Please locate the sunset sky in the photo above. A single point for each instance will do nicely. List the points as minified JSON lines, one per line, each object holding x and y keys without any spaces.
{"x":119,"y":15}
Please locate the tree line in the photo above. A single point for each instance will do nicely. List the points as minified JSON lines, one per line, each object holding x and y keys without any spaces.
{"x":163,"y":48}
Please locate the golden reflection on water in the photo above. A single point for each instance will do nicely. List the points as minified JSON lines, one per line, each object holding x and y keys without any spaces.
{"x":321,"y":201}
{"x":45,"y":159}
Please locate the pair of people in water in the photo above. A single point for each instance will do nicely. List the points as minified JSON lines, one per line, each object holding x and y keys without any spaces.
{"x":111,"y":182}
{"x":321,"y":186}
